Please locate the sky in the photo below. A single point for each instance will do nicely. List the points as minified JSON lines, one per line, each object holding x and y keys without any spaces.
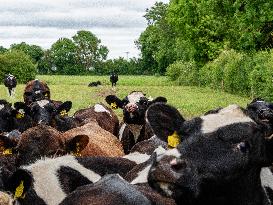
{"x":118,"y":23}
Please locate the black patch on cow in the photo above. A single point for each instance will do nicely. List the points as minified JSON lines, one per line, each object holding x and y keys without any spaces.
{"x":107,"y":165}
{"x":70,"y":179}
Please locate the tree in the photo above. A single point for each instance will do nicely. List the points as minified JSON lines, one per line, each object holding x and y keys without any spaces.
{"x":34,"y":51}
{"x":3,"y":50}
{"x":157,"y":41}
{"x":18,"y":64}
{"x":63,"y":57}
{"x":89,"y":52}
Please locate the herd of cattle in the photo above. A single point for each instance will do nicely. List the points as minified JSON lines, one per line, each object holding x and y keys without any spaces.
{"x":154,"y":156}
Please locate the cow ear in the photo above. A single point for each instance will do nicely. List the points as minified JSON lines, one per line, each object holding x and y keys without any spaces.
{"x":114,"y":101}
{"x":21,"y":105}
{"x":76,"y":144}
{"x":19,"y":183}
{"x":7,"y":145}
{"x":64,"y":108}
{"x":164,"y":120}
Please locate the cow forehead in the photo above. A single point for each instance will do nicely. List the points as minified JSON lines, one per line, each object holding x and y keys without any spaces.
{"x":135,"y":97}
{"x":226,"y":116}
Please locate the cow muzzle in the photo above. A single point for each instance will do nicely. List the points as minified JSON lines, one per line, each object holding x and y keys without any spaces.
{"x":131,"y":107}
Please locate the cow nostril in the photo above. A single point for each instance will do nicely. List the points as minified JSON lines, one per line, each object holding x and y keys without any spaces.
{"x":178,"y":164}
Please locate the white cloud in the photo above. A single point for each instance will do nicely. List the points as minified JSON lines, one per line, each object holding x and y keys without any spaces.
{"x":118,"y":23}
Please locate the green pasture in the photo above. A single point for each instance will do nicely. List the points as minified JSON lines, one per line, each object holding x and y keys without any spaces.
{"x":191,"y":101}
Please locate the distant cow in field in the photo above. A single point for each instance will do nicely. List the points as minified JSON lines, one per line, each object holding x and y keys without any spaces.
{"x":94,"y":84}
{"x":10,"y":82}
{"x":219,"y":159}
{"x":134,"y":128}
{"x":113,"y":78}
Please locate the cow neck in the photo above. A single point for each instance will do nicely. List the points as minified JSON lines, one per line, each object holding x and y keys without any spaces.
{"x":135,"y":130}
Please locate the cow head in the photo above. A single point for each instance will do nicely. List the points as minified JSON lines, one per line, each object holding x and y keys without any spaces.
{"x":36,"y":90}
{"x":220,"y":162}
{"x":261,"y":111}
{"x":134,"y":106}
{"x":44,"y":111}
{"x":6,"y":123}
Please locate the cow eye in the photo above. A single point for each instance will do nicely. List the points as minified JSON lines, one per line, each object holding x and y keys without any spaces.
{"x":243,"y":147}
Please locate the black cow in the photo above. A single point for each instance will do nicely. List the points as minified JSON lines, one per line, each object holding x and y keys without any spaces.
{"x":94,"y":84}
{"x":134,"y":128}
{"x":10,"y":82}
{"x":6,"y":119}
{"x":218,"y":161}
{"x":114,"y":78}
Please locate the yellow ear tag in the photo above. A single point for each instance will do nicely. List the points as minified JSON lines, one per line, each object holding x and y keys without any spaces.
{"x":63,"y":113}
{"x":77,"y":152}
{"x":114,"y":105}
{"x":20,"y":115}
{"x":19,"y":191}
{"x":46,"y":95}
{"x":173,"y":140}
{"x":7,"y":152}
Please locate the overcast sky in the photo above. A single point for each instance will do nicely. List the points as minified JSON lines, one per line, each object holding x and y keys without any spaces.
{"x":118,"y":23}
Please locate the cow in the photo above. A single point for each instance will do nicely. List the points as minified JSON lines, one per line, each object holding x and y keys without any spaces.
{"x":10,"y":82}
{"x":6,"y":119}
{"x":101,"y":142}
{"x":113,"y":78}
{"x":134,"y":128}
{"x":48,"y":181}
{"x":36,"y":90}
{"x":104,"y":116}
{"x":94,"y":84}
{"x":110,"y":190}
{"x":46,"y":112}
{"x":218,"y":160}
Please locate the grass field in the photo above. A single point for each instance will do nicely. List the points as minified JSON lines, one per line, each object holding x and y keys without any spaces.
{"x":191,"y":101}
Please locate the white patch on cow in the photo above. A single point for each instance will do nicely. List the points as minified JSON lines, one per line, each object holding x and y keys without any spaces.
{"x":42,"y":103}
{"x":165,"y":188}
{"x":142,"y":176}
{"x":1,"y":106}
{"x":135,"y":130}
{"x":21,"y":111}
{"x":160,"y":150}
{"x":266,"y":178}
{"x":121,"y":131}
{"x":226,"y":116}
{"x":100,"y":108}
{"x":171,"y":152}
{"x":150,"y":98}
{"x":37,"y":91}
{"x":137,"y":157}
{"x":46,"y":182}
{"x":134,"y":97}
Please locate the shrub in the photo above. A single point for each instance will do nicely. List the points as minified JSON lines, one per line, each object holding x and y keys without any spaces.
{"x":18,"y":64}
{"x":261,"y":77}
{"x":185,"y":73}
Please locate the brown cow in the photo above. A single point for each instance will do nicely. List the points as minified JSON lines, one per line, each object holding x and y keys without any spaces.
{"x":105,"y":117}
{"x":101,"y":142}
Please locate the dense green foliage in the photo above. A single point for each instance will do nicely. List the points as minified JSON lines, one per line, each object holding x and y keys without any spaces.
{"x":19,"y":64}
{"x":34,"y":51}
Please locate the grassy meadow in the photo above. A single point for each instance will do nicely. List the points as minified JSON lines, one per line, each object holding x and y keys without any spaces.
{"x":190,"y":101}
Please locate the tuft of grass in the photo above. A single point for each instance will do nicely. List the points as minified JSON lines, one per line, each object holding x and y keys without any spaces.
{"x":190,"y":101}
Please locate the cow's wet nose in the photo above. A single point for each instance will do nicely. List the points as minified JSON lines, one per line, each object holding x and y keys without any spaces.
{"x":131,"y":107}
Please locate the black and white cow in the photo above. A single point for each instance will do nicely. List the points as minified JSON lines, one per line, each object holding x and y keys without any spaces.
{"x":113,"y":78}
{"x":134,"y":128}
{"x":49,"y":181}
{"x":10,"y":82}
{"x":94,"y":84}
{"x":218,"y":161}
